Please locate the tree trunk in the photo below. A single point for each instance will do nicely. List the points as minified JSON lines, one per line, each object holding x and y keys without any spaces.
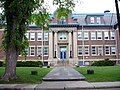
{"x":11,"y":60}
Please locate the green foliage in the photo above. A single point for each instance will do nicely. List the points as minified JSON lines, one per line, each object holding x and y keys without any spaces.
{"x":65,"y":7}
{"x":17,"y":13}
{"x":105,"y":62}
{"x":29,"y":64}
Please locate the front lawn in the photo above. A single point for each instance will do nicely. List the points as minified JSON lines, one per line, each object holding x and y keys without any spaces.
{"x":24,"y":74}
{"x":101,"y":74}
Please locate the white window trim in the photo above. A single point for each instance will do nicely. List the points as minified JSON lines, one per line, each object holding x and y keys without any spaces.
{"x":111,"y":35}
{"x":101,"y":36}
{"x":105,"y":50}
{"x":108,"y":35}
{"x":30,"y":50}
{"x":95,"y":50}
{"x":111,"y":50}
{"x":37,"y":36}
{"x":98,"y":50}
{"x":37,"y":50}
{"x":84,"y":35}
{"x":30,"y":36}
{"x":83,"y":53}
{"x":95,"y":36}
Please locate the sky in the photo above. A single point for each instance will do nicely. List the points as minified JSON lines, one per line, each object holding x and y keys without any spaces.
{"x":89,"y":6}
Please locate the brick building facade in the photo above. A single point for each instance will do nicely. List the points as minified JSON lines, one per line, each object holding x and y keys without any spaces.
{"x":82,"y":39}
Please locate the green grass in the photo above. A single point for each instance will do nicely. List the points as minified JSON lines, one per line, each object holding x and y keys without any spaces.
{"x":101,"y":74}
{"x":24,"y":75}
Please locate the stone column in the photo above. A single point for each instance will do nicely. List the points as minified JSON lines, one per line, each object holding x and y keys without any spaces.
{"x":70,"y":44}
{"x":50,"y":46}
{"x":55,"y":45}
{"x":75,"y":51}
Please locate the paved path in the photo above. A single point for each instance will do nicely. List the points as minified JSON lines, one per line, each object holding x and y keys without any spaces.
{"x":63,"y":74}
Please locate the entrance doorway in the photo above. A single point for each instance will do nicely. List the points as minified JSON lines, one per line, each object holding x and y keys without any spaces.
{"x":63,"y":52}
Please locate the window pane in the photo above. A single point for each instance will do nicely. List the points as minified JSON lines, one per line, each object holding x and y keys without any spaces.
{"x":45,"y":51}
{"x":107,"y":50}
{"x":93,"y":35}
{"x":32,"y":36}
{"x":39,"y":36}
{"x":113,"y":50}
{"x":86,"y":35}
{"x":93,"y":50}
{"x":98,"y":20}
{"x":112,"y":34}
{"x":99,"y":35}
{"x":32,"y":51}
{"x":106,"y":35}
{"x":45,"y":36}
{"x":79,"y":35}
{"x":92,"y":20}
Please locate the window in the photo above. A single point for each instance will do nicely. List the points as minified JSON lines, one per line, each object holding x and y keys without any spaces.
{"x":27,"y":35}
{"x":99,"y":35}
{"x":39,"y":36}
{"x":93,"y":50}
{"x":32,"y":36}
{"x":107,"y":50}
{"x":39,"y":51}
{"x":45,"y":51}
{"x":80,"y":50}
{"x":92,"y":20}
{"x":98,"y":20}
{"x":93,"y":35}
{"x":86,"y":48}
{"x":79,"y":35}
{"x":32,"y":51}
{"x":100,"y":50}
{"x":86,"y":35}
{"x":45,"y":36}
{"x":62,"y":36}
{"x":113,"y":50}
{"x":112,"y":34}
{"x":106,"y":35}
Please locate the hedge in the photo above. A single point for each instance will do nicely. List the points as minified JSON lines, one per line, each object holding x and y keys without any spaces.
{"x":105,"y":62}
{"x":29,"y":64}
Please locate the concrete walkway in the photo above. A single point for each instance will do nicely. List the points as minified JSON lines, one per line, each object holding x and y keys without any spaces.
{"x":64,"y":74}
{"x":63,"y":78}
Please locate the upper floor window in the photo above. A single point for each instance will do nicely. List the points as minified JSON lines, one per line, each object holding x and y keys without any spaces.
{"x":79,"y":35}
{"x":62,"y":36}
{"x":32,"y":36}
{"x":62,"y":20}
{"x":93,"y":35}
{"x":86,"y":35}
{"x":45,"y":36}
{"x":39,"y":36}
{"x":98,"y":20}
{"x":92,"y":20}
{"x":112,"y":35}
{"x":106,"y":35}
{"x":99,"y":35}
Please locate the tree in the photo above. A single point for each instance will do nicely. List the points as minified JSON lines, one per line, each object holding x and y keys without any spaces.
{"x":16,"y":14}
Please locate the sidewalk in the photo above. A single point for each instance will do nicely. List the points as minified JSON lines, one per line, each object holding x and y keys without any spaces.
{"x":62,"y":85}
{"x":63,"y":78}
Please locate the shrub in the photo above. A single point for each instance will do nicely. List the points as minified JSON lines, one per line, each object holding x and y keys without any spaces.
{"x":29,"y":64}
{"x":1,"y":63}
{"x":105,"y":62}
